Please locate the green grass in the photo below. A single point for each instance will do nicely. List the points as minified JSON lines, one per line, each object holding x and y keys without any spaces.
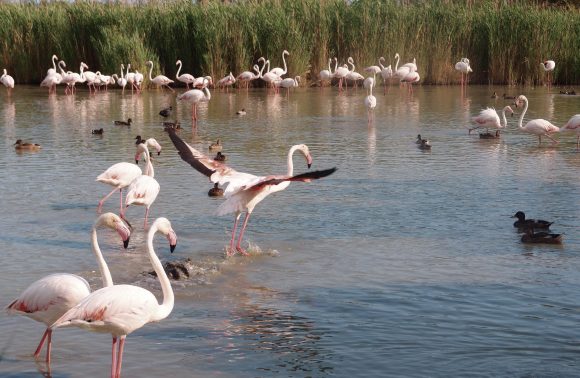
{"x":504,"y":40}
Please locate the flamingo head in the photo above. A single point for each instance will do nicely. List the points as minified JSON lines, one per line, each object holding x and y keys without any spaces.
{"x":306,"y":152}
{"x":285,"y":52}
{"x":520,"y":100}
{"x":141,"y":149}
{"x":178,"y":62}
{"x":508,"y":109}
{"x":114,"y":222}
{"x":163,"y":225}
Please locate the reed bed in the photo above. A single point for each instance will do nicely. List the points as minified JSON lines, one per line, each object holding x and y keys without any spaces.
{"x":505,"y":40}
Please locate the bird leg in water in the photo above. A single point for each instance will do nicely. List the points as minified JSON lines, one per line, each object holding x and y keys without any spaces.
{"x":101,"y":202}
{"x":46,"y":334}
{"x":238,"y":246}
{"x":114,"y":357}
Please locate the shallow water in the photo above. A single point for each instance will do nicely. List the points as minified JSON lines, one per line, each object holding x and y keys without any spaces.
{"x":402,"y":263}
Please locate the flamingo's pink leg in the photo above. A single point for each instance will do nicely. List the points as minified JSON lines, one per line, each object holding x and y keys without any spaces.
{"x":238,"y":246}
{"x":120,"y":357}
{"x":230,"y":251}
{"x":49,"y":347}
{"x":146,"y":216}
{"x":101,"y":202}
{"x":39,"y":348}
{"x":114,"y":358}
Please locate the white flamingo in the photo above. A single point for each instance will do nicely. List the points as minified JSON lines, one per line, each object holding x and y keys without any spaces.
{"x":244,"y":191}
{"x":120,"y":176}
{"x":122,"y":81}
{"x":195,"y":96}
{"x":143,"y":191}
{"x":539,"y":127}
{"x":202,"y":81}
{"x":488,"y":118}
{"x":49,"y":298}
{"x":386,"y":73}
{"x":122,"y":309}
{"x":400,"y":72}
{"x":7,"y":81}
{"x":411,"y":77}
{"x":340,"y":73}
{"x":159,"y":80}
{"x":326,"y":75}
{"x":548,"y":66}
{"x":226,"y":81}
{"x":290,"y":83}
{"x":464,"y":68}
{"x":270,"y":77}
{"x":185,"y":78}
{"x":72,"y":78}
{"x":573,"y":124}
{"x":281,"y":71}
{"x":248,"y":76}
{"x":370,"y":101}
{"x":353,"y":75}
{"x":52,"y":70}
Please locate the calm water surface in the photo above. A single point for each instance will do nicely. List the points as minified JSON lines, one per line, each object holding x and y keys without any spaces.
{"x":404,"y":263}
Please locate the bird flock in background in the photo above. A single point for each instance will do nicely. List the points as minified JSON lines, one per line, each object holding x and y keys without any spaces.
{"x":63,"y":299}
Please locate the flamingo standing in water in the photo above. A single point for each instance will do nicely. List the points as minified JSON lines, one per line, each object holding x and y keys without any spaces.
{"x":244,"y":191}
{"x":247,"y":76}
{"x":144,"y":189}
{"x":49,"y":298}
{"x":120,"y":176}
{"x":7,"y":80}
{"x":539,"y":127}
{"x":326,"y":75}
{"x":573,"y":124}
{"x":411,"y":77}
{"x":488,"y":118}
{"x":185,"y":78}
{"x":159,"y":80}
{"x":548,"y":66}
{"x":464,"y":68}
{"x":122,"y":309}
{"x":281,"y":71}
{"x":340,"y":73}
{"x":195,"y":96}
{"x":386,"y":73}
{"x":370,"y":100}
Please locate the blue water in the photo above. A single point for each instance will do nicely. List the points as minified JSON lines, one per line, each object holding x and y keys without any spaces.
{"x":404,"y":263}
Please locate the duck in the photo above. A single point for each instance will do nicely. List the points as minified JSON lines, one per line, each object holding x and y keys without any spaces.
{"x":215,"y":191}
{"x":541,"y":237}
{"x":97,"y":131}
{"x":425,"y":145}
{"x":419,"y":139}
{"x":20,"y":145}
{"x":494,"y":95}
{"x":217,"y":146}
{"x":488,"y":135}
{"x":220,"y":157}
{"x":241,"y":112}
{"x":124,"y":123}
{"x":535,"y":223}
{"x":166,"y":112}
{"x":506,"y":97}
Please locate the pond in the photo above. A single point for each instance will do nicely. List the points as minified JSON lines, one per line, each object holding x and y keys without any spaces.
{"x":404,"y":262}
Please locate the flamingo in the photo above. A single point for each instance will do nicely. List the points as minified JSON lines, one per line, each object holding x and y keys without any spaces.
{"x":195,"y":96}
{"x":402,"y":71}
{"x":142,"y":191}
{"x":159,"y":80}
{"x":226,"y":81}
{"x":90,"y":78}
{"x":464,"y":68}
{"x":326,"y":74}
{"x":488,"y":118}
{"x":72,"y":78}
{"x":7,"y":80}
{"x":122,"y":82}
{"x":244,"y":191}
{"x":269,"y":77}
{"x":386,"y":73}
{"x":411,"y":77}
{"x":370,"y":100}
{"x":185,"y":78}
{"x":120,"y":176}
{"x":353,"y":75}
{"x":539,"y":127}
{"x":573,"y":124}
{"x":52,"y":70}
{"x":248,"y":76}
{"x":50,"y":297}
{"x":53,"y":78}
{"x":200,"y":82}
{"x":122,"y":309}
{"x":413,"y":66}
{"x":340,"y":73}
{"x":548,"y":66}
{"x":279,"y":71}
{"x":290,"y":83}
{"x":138,"y":80}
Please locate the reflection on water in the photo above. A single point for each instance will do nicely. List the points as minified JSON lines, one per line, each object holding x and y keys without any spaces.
{"x":402,"y":263}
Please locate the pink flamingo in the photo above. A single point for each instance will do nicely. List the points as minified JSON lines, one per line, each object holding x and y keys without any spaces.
{"x":122,"y":309}
{"x":121,"y":175}
{"x":539,"y":127}
{"x":573,"y":124}
{"x":144,"y":189}
{"x":247,"y":76}
{"x":386,"y":73}
{"x":488,"y":118}
{"x":340,"y":73}
{"x":411,"y":77}
{"x":244,"y":191}
{"x":49,"y":298}
{"x":159,"y":80}
{"x":464,"y":68}
{"x":7,"y":80}
{"x":370,"y":100}
{"x":185,"y":78}
{"x":195,"y":96}
{"x":326,"y":75}
{"x":548,"y":66}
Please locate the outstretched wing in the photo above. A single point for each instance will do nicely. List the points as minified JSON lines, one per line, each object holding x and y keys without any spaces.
{"x":215,"y":170}
{"x":304,"y":177}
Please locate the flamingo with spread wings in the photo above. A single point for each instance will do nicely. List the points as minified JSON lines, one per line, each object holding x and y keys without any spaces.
{"x":244,"y":191}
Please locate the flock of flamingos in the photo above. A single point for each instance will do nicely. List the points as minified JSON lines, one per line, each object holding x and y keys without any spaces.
{"x":62,"y":299}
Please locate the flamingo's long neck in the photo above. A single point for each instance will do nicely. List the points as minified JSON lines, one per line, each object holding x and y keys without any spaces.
{"x":207,"y":94}
{"x":128,"y":67}
{"x":381,"y":64}
{"x":149,"y":170}
{"x":105,"y":273}
{"x":262,"y":70}
{"x":290,"y":163}
{"x":521,"y":120}
{"x":168,"y":299}
{"x":60,"y":66}
{"x":504,"y":119}
{"x":179,"y":69}
{"x":284,"y":60}
{"x":335,"y":64}
{"x":397,"y":57}
{"x":150,"y":72}
{"x":54,"y":59}
{"x":122,"y":67}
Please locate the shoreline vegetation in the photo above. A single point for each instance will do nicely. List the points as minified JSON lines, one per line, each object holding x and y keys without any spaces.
{"x":505,"y":40}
